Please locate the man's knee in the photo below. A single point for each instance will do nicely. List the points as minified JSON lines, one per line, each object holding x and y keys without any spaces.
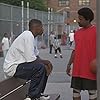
{"x":92,"y":94}
{"x":49,"y":68}
{"x":41,"y":68}
{"x":76,"y":93}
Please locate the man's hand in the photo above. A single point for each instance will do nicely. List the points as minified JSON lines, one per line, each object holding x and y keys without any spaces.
{"x":48,"y":66}
{"x":47,"y":63}
{"x":68,"y":70}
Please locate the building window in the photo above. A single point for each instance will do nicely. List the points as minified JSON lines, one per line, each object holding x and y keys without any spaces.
{"x":84,"y":2}
{"x":63,"y":2}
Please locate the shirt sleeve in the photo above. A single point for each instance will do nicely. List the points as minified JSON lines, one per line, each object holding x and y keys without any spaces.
{"x":29,"y":47}
{"x":3,"y":40}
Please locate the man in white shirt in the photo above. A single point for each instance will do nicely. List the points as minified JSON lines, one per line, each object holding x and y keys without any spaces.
{"x":22,"y":61}
{"x":71,"y":37}
{"x":5,"y":44}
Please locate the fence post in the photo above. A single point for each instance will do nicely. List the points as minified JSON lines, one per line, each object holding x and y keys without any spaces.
{"x":27,"y":15}
{"x":48,"y":24}
{"x":22,"y":16}
{"x":11,"y":23}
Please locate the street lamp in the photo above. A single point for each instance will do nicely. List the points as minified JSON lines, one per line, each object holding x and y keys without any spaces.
{"x":74,"y":20}
{"x":74,"y":24}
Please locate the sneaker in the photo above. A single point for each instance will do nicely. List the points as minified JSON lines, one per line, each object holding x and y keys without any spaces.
{"x":55,"y":56}
{"x":32,"y":99}
{"x":44,"y":97}
{"x":61,"y":56}
{"x":27,"y":98}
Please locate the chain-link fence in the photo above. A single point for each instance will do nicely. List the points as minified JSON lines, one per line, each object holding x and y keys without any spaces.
{"x":11,"y":20}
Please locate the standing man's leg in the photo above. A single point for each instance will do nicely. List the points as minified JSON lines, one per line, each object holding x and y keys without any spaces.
{"x":55,"y":53}
{"x":59,"y":49}
{"x":92,"y":94}
{"x":76,"y":84}
{"x":37,"y":74}
{"x":76,"y":94}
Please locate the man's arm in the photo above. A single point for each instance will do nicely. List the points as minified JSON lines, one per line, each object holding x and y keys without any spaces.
{"x":70,"y":62}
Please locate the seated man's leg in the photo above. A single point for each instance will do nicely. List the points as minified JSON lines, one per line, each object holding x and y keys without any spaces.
{"x":38,"y":82}
{"x":36,"y":73}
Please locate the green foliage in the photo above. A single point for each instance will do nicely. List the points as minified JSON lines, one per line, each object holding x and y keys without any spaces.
{"x":34,"y":4}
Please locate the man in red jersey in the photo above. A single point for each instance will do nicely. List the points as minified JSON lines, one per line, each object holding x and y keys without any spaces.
{"x":82,"y":56}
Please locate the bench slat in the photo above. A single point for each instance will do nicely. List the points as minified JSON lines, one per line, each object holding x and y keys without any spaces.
{"x":19,"y":89}
{"x":9,"y":85}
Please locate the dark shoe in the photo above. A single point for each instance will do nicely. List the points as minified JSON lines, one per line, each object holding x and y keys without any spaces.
{"x":61,"y":56}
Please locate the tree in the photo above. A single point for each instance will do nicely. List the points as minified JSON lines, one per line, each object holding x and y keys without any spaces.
{"x":34,"y":4}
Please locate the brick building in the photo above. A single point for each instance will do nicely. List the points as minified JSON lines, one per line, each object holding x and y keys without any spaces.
{"x":70,"y":8}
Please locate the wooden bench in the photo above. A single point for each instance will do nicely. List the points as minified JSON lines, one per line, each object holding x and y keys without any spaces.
{"x":16,"y":89}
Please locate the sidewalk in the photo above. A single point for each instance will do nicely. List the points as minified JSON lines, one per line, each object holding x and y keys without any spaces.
{"x":64,"y":90}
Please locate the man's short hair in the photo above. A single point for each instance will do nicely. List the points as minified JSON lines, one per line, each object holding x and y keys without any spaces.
{"x":34,"y":22}
{"x":87,"y":13}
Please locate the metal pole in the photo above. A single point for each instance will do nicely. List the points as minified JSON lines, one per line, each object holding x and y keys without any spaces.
{"x":57,"y":21}
{"x":27,"y":15}
{"x":22,"y":16}
{"x":51,"y":19}
{"x":48,"y":24}
{"x":98,"y":48}
{"x":11,"y":25}
{"x":64,"y":14}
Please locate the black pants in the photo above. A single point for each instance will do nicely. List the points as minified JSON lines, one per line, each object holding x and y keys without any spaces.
{"x":58,"y":49}
{"x":70,"y":43}
{"x":51,"y":46}
{"x":36,"y":73}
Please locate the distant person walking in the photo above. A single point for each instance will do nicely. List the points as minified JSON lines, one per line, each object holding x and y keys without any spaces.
{"x":57,"y":47}
{"x":83,"y":57}
{"x":51,"y":41}
{"x":71,"y":37}
{"x":63,"y":39}
{"x":5,"y":44}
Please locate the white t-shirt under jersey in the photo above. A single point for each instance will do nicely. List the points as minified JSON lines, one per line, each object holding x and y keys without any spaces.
{"x":23,"y":49}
